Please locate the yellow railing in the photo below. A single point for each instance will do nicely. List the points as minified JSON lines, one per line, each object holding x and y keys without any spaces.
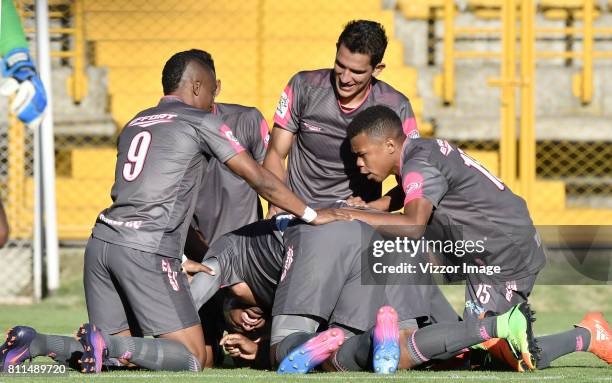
{"x":77,"y":82}
{"x":582,"y":81}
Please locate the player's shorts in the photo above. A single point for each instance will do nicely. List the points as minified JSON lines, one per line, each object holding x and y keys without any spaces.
{"x":483,"y":295}
{"x":321,"y":277}
{"x":131,"y":289}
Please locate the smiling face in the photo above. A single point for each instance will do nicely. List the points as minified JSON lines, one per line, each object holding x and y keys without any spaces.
{"x":376,"y":156}
{"x":353,"y":74}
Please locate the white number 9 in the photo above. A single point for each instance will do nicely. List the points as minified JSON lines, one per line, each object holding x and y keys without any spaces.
{"x":136,"y":156}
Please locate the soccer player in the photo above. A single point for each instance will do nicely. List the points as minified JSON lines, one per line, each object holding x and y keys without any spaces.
{"x":461,"y":201}
{"x":313,"y":113}
{"x":133,"y":284}
{"x":236,"y":204}
{"x":312,"y":277}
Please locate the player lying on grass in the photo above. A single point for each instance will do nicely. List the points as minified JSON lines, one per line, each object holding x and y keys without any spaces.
{"x":457,"y":199}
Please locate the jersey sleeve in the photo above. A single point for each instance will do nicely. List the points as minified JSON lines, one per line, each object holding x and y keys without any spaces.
{"x":422,"y":180}
{"x":260,"y":136}
{"x":288,"y":110}
{"x":216,"y":137}
{"x":11,"y":31}
{"x":409,"y":124}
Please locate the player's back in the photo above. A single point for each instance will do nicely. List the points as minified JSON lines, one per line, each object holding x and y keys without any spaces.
{"x":471,"y":204}
{"x":226,"y":201}
{"x":160,"y":159}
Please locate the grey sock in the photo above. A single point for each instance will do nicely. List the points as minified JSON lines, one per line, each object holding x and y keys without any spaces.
{"x":152,"y":354}
{"x":63,"y":349}
{"x":442,"y":341}
{"x":557,"y":345}
{"x":355,"y":354}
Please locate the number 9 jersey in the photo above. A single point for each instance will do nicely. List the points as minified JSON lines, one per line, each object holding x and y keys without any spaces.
{"x":472,"y":208}
{"x":161,"y":153}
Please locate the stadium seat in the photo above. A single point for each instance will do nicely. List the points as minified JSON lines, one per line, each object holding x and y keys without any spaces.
{"x":93,"y":163}
{"x":169,"y":6}
{"x":298,"y":25}
{"x":100,"y":26}
{"x":421,"y":9}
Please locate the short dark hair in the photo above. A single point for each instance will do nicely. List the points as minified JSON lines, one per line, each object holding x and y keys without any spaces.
{"x":366,"y":37}
{"x":175,"y":67}
{"x":378,"y":121}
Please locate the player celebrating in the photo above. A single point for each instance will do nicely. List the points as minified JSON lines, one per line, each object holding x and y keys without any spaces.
{"x":132,"y":278}
{"x":236,"y":203}
{"x":460,"y":200}
{"x":315,"y":109}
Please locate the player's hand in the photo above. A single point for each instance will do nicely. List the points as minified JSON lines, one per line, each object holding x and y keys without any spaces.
{"x":239,"y":346}
{"x":330,"y":215}
{"x":356,"y":202}
{"x":273,"y":210}
{"x":192,"y":267}
{"x":20,"y":79}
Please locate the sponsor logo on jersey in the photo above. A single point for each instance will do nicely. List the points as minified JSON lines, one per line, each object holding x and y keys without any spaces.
{"x":412,"y":187}
{"x":602,"y":334}
{"x":288,"y":262}
{"x":146,"y":121}
{"x":283,"y":105}
{"x":445,"y":147}
{"x":414,"y":134}
{"x":171,"y":275}
{"x":312,"y":128}
{"x":131,"y":224}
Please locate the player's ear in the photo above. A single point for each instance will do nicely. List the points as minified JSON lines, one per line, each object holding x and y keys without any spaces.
{"x":196,"y":87}
{"x":218,"y":88}
{"x":390,"y":145}
{"x":378,"y":68}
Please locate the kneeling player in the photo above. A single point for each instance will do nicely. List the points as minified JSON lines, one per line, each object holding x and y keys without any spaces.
{"x":461,"y":201}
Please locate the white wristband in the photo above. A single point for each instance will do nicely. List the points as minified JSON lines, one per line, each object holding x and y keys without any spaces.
{"x":309,"y":215}
{"x":183,"y":259}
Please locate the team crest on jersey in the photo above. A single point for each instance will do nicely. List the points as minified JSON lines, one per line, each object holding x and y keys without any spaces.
{"x":445,"y":147}
{"x":146,"y":121}
{"x":414,"y":134}
{"x":267,"y":140}
{"x":288,"y":262}
{"x":230,"y":136}
{"x":283,"y":105}
{"x":412,"y":187}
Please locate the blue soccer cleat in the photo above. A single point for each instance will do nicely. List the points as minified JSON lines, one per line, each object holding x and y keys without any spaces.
{"x":312,"y":353}
{"x":16,"y":349}
{"x":94,"y":348}
{"x":386,"y":350}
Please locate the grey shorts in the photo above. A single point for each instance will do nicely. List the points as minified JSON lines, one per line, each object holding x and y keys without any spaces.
{"x":132,"y":289}
{"x":323,"y":279}
{"x":482,"y":295}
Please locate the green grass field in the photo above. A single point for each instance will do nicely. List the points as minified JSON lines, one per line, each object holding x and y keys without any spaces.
{"x":558,"y":307}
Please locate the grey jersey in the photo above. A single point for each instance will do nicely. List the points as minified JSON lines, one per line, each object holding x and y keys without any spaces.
{"x":161,"y":154}
{"x":471,"y":204}
{"x":252,"y":254}
{"x":321,"y":166}
{"x":226,"y":201}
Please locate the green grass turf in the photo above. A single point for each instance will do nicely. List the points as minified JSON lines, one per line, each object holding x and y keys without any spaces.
{"x":558,"y":307}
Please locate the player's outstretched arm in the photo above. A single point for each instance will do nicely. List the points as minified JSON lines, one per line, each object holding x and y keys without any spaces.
{"x":274,"y":191}
{"x":278,"y":149}
{"x":410,"y":224}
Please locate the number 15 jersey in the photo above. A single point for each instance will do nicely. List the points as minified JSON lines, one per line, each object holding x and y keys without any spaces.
{"x":160,"y":157}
